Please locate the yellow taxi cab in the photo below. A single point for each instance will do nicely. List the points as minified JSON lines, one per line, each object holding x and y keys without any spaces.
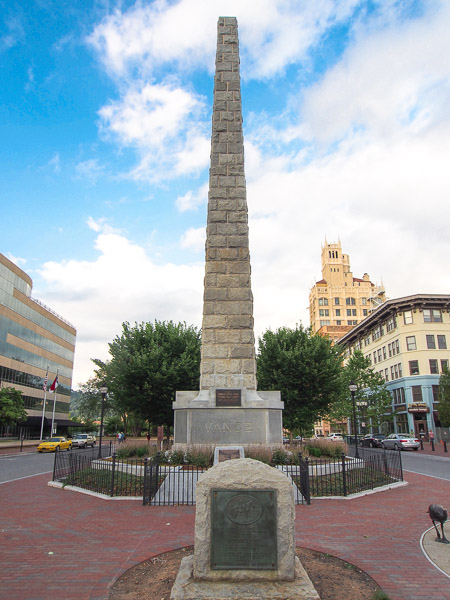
{"x":51,"y":444}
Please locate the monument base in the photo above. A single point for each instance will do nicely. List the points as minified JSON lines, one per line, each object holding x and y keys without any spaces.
{"x":187,"y":588}
{"x":228,"y":417}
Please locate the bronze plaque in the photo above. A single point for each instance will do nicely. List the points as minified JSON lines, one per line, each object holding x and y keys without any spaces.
{"x":228,"y":455}
{"x":228,"y":397}
{"x":243,"y":529}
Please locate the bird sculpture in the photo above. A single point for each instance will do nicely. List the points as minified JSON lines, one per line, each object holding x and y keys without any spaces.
{"x":438,"y":513}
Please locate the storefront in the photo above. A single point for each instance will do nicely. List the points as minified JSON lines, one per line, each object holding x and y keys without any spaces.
{"x":419,"y":412}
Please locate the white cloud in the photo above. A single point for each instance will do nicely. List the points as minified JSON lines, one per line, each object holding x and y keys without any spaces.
{"x":122,"y":284}
{"x":194,"y":239}
{"x":192,"y":200}
{"x":55,"y":163}
{"x":89,"y":170}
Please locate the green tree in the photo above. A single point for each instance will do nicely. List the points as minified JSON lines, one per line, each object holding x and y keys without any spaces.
{"x":86,"y":402}
{"x":371,"y":390}
{"x":12,"y":408}
{"x":149,"y":362}
{"x":306,"y":368}
{"x":444,"y":398}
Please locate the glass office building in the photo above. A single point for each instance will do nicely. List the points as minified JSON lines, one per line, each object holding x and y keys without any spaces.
{"x":33,"y":339}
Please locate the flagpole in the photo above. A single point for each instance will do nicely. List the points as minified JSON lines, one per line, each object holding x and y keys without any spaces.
{"x":55,"y":383}
{"x":45,"y":401}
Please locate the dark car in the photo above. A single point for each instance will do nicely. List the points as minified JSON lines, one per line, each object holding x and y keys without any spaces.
{"x":372,"y":440}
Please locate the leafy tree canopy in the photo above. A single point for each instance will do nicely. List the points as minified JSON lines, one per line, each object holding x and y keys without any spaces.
{"x":371,"y":389}
{"x":444,"y":398}
{"x":12,"y":408}
{"x":149,"y":362}
{"x":306,"y":368}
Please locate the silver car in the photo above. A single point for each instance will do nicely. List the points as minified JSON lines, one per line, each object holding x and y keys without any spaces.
{"x":400,"y":441}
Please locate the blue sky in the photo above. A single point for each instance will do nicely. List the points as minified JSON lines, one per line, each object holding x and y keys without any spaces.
{"x":104,"y":143}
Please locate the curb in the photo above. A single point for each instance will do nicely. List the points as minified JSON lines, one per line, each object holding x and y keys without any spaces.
{"x":73,"y":488}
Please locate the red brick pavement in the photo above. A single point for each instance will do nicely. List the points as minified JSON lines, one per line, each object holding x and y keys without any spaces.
{"x":94,"y":541}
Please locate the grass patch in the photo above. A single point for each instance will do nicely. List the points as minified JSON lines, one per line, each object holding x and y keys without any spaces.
{"x":357,"y":480}
{"x":100,"y":481}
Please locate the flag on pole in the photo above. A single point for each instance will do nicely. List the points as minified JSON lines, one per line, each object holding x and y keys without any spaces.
{"x":45,"y":381}
{"x":54,"y":384}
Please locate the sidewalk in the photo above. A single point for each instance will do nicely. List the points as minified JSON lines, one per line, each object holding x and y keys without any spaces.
{"x":60,"y":544}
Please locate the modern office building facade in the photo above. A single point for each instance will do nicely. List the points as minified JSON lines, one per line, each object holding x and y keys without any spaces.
{"x":408,"y":342}
{"x":34,"y":339}
{"x":340,"y":300}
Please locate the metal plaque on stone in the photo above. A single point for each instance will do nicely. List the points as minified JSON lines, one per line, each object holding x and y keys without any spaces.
{"x":228,"y":397}
{"x":243,"y":529}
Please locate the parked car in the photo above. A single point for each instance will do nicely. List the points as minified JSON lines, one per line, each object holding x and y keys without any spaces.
{"x":83,"y":440}
{"x":336,"y":437}
{"x":400,"y":441}
{"x":372,"y":440}
{"x":53,"y":443}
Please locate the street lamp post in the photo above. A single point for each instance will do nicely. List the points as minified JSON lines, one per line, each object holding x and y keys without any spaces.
{"x":353,"y":387}
{"x":103,"y":392}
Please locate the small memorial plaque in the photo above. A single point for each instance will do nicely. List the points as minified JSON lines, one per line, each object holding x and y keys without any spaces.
{"x":228,"y":397}
{"x":243,"y":529}
{"x":228,"y":454}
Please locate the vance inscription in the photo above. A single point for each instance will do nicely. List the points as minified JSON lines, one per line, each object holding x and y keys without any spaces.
{"x":228,"y":397}
{"x":243,"y":529}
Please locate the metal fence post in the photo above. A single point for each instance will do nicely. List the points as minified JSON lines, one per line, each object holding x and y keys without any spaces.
{"x":112,"y":474}
{"x":432,"y":445}
{"x":54,"y":464}
{"x":445,"y":446}
{"x":344,"y":476}
{"x":144,"y":485}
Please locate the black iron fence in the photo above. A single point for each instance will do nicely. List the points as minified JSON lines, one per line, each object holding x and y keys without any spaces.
{"x":345,"y":475}
{"x":162,"y":484}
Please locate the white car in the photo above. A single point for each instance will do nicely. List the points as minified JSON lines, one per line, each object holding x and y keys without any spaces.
{"x":336,"y":437}
{"x":83,"y":440}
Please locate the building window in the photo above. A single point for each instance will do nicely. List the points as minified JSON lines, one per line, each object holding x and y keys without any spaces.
{"x":384,"y":352}
{"x":386,"y":375}
{"x":353,"y":312}
{"x":375,"y":357}
{"x":411,"y":342}
{"x":323,"y":301}
{"x":417,"y":393}
{"x":338,"y":312}
{"x":442,"y":342}
{"x":390,"y":324}
{"x":324,"y":312}
{"x":354,"y":322}
{"x":431,"y":344}
{"x":400,"y":371}
{"x":390,"y":349}
{"x":379,"y":354}
{"x":349,"y":312}
{"x":364,"y":312}
{"x":337,"y":301}
{"x":414,"y":367}
{"x":435,"y":389}
{"x":392,"y":372}
{"x":367,"y":341}
{"x":338,"y":322}
{"x":396,"y":371}
{"x":364,"y":301}
{"x":434,"y":369}
{"x":402,"y":423}
{"x":397,"y":346}
{"x":350,"y":302}
{"x":324,"y":323}
{"x":432,"y":315}
{"x":408,"y":317}
{"x":444,"y":365}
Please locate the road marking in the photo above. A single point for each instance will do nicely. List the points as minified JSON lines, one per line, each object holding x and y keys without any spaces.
{"x":26,"y":477}
{"x":426,"y":475}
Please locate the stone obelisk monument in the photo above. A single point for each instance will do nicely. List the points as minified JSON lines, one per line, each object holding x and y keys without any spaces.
{"x":227,"y":409}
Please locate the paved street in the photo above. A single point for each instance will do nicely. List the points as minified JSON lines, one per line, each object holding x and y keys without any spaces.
{"x":60,"y":544}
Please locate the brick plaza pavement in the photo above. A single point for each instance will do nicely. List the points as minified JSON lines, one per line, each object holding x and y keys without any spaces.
{"x":93,"y":541}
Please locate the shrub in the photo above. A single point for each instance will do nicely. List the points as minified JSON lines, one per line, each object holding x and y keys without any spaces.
{"x":126,"y":451}
{"x":259,"y":452}
{"x":200,"y":456}
{"x":176,"y":457}
{"x":281,"y":457}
